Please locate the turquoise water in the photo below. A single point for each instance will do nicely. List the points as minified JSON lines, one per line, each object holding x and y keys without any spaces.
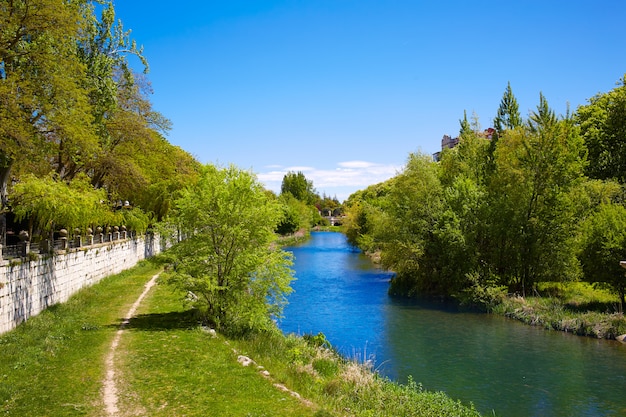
{"x":496,"y":363}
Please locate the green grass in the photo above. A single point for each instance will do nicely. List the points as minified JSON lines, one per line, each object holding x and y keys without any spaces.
{"x":53,"y":364}
{"x":168,"y":364}
{"x":574,"y":307}
{"x":344,"y":387}
{"x":174,"y":367}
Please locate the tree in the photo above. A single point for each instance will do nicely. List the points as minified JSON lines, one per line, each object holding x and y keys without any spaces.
{"x":127,"y":126}
{"x":603,"y":127}
{"x":414,"y":206}
{"x":228,"y":264}
{"x":298,"y":186}
{"x":50,"y":204}
{"x":604,"y":247}
{"x":43,"y":107}
{"x":508,"y":116}
{"x":531,"y":214}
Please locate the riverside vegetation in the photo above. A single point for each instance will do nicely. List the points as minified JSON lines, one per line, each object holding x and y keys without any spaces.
{"x":170,"y":365}
{"x":528,"y":208}
{"x":541,"y":202}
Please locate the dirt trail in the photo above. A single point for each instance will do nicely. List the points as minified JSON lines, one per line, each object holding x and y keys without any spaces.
{"x":109,"y":394}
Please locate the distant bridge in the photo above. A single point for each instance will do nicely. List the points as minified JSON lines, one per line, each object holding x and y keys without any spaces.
{"x":335,"y":220}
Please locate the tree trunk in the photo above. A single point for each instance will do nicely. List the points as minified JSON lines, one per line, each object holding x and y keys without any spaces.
{"x":5,"y":173}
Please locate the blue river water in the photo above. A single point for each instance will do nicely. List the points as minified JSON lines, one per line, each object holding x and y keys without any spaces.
{"x":495,"y":363}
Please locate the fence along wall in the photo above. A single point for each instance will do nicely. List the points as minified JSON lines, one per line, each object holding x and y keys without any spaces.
{"x":32,"y":284}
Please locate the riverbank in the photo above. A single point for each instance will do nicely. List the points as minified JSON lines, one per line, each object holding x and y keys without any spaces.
{"x":166,"y":364}
{"x":575,"y":308}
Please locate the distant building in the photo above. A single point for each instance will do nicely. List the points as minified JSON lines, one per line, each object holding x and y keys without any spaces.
{"x":449,"y":142}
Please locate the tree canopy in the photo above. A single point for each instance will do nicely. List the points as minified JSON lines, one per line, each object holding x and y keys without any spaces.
{"x":73,"y":110}
{"x":236,"y":277}
{"x":503,"y":213}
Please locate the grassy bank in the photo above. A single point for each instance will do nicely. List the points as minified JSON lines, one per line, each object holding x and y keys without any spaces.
{"x":571,"y":307}
{"x":168,"y":364}
{"x":53,"y":365}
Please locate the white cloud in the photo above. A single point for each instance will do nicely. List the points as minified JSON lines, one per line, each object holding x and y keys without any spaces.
{"x":356,"y":164}
{"x":342,"y":181}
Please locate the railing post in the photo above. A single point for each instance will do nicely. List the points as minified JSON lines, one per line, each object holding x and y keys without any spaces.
{"x":25,"y":242}
{"x":63,"y":234}
{"x":78,"y":240}
{"x":89,"y":236}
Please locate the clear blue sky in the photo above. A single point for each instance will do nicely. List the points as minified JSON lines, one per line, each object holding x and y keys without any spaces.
{"x":344,"y":90}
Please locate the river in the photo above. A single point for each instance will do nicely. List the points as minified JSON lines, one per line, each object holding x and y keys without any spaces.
{"x":497,"y":364}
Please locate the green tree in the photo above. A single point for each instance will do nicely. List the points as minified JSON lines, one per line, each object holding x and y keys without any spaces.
{"x":603,"y":127}
{"x":508,"y":115}
{"x":531,"y":214}
{"x":604,"y":247}
{"x":228,"y":264}
{"x":414,"y":207}
{"x":296,"y":184}
{"x":466,"y":128}
{"x":50,"y":204}
{"x":44,"y":108}
{"x":297,"y":215}
{"x":365,"y":211}
{"x":127,"y":126}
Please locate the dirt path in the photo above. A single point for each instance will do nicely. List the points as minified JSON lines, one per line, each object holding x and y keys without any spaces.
{"x":109,"y":394}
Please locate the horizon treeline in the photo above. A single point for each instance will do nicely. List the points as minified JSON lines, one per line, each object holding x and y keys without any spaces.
{"x":541,"y":200}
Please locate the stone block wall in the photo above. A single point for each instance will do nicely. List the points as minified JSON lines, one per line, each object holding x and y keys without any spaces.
{"x":29,"y":285}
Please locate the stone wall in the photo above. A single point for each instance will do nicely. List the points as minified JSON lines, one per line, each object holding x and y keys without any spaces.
{"x":30,"y":285}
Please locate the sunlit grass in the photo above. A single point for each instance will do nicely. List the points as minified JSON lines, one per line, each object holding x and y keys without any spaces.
{"x":53,"y":365}
{"x":173,"y":366}
{"x":168,"y":364}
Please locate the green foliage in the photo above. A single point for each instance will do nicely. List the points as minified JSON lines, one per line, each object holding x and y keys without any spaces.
{"x":135,"y":219}
{"x":44,"y":110}
{"x":603,"y":127}
{"x":299,"y":187}
{"x":489,"y":215}
{"x":236,"y":277}
{"x":70,"y":105}
{"x":604,"y":247}
{"x":415,"y":205}
{"x":296,"y":215}
{"x":532,"y":214}
{"x":53,"y":204}
{"x":508,"y":116}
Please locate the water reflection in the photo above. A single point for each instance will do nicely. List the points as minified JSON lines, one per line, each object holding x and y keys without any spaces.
{"x":496,"y":363}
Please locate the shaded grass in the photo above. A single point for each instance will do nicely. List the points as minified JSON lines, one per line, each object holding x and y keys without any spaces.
{"x":52,"y":365}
